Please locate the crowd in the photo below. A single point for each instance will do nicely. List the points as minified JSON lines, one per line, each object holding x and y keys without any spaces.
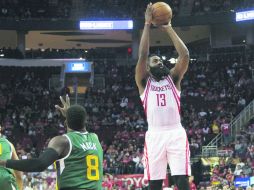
{"x":27,"y":9}
{"x":213,"y":93}
{"x":120,"y":9}
{"x":98,"y":53}
{"x":211,"y":6}
{"x":27,"y":114}
{"x":238,"y":164}
{"x":26,"y":107}
{"x":11,"y":53}
{"x":116,"y":9}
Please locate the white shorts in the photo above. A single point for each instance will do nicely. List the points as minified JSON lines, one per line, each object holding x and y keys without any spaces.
{"x":166,"y":147}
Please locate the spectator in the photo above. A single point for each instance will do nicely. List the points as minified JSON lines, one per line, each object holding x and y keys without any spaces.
{"x":225,"y":129}
{"x":238,"y":170}
{"x":215,"y":128}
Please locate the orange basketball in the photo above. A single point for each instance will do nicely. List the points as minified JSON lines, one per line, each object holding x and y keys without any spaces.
{"x":162,"y":13}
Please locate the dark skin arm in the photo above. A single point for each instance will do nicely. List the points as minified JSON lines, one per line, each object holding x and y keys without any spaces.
{"x":17,"y":174}
{"x":58,"y":148}
{"x":61,"y":145}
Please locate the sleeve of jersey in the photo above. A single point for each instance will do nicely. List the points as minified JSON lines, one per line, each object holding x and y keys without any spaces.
{"x":34,"y":165}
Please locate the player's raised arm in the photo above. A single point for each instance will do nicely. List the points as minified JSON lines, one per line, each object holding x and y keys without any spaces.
{"x":141,"y":69}
{"x":65,"y":104}
{"x":183,"y":55}
{"x":17,"y":174}
{"x":58,"y":148}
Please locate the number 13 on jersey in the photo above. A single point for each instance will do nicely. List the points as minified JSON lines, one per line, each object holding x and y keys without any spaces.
{"x":161,"y":99}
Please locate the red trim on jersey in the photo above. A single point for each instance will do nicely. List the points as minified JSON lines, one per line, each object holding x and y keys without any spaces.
{"x":145,"y":110}
{"x":174,"y":86}
{"x":146,"y":97}
{"x":177,"y":98}
{"x":146,"y":90}
{"x":187,"y":156}
{"x":177,"y":102}
{"x":147,"y":162}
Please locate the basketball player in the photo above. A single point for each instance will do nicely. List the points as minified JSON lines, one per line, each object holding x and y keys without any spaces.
{"x":78,"y":154}
{"x":9,"y":179}
{"x":159,"y":88}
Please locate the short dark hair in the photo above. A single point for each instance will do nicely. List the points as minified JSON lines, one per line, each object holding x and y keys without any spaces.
{"x":76,"y":117}
{"x":152,"y":54}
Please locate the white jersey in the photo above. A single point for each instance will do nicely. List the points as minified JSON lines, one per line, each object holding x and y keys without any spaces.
{"x":161,"y":102}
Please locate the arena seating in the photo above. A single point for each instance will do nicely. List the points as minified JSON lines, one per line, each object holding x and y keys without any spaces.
{"x":28,"y":9}
{"x":46,"y":9}
{"x":211,"y":6}
{"x":239,"y":165}
{"x":119,"y":9}
{"x":212,"y":93}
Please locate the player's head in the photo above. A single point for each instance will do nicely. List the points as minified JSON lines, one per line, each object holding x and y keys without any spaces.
{"x":76,"y":118}
{"x":156,"y":68}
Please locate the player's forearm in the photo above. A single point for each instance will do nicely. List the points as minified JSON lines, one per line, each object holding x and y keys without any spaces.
{"x":34,"y":165}
{"x":181,"y":48}
{"x":18,"y":176}
{"x":144,"y":42}
{"x":29,"y":165}
{"x":19,"y":183}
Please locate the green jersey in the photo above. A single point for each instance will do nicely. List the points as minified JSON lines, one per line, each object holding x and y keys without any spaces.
{"x":82,"y":167}
{"x":7,"y":178}
{"x":5,"y":149}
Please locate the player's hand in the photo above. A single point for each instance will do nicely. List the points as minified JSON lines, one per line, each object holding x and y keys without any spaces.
{"x":148,"y":14}
{"x":66,"y":105}
{"x":165,"y":27}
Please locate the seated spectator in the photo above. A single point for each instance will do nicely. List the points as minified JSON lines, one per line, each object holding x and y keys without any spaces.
{"x":215,"y":128}
{"x":238,"y":170}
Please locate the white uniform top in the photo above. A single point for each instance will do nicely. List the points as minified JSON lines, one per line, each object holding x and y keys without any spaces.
{"x":161,"y":102}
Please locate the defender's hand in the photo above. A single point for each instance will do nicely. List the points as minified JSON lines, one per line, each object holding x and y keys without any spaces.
{"x":148,"y":14}
{"x":66,"y":105}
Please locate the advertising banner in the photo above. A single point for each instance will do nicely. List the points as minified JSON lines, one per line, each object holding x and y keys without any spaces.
{"x":137,"y":180}
{"x":242,"y":182}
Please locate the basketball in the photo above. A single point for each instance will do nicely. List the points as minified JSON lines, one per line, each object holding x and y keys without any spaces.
{"x":162,"y":13}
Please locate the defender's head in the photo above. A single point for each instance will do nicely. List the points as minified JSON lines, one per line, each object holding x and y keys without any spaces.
{"x":76,"y":118}
{"x":156,"y":68}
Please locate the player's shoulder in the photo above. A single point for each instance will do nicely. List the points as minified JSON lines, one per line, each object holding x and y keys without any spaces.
{"x":94,"y":135}
{"x":60,"y":140}
{"x":7,"y":141}
{"x":3,"y":139}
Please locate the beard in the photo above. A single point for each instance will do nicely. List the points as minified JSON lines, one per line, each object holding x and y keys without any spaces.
{"x":159,"y":72}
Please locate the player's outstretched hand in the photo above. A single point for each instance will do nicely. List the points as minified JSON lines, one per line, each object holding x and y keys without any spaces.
{"x":148,"y":14}
{"x":66,"y":105}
